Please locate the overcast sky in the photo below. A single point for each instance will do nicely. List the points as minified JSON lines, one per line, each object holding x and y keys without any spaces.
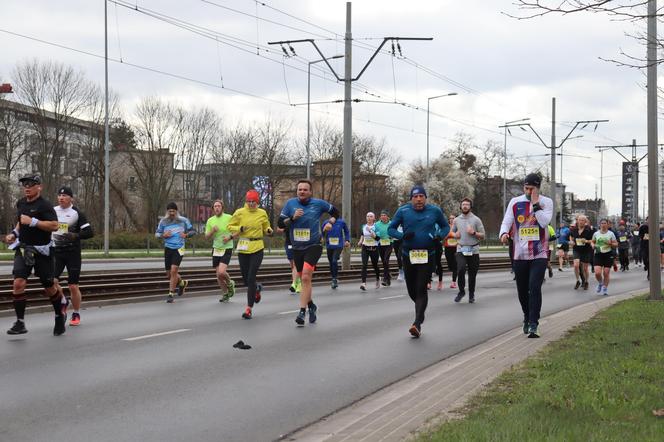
{"x":503,"y":69}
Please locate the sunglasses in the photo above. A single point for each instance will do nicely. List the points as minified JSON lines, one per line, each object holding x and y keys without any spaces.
{"x":28,"y":183}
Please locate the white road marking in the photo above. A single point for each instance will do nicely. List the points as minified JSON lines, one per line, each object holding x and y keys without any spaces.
{"x":154,"y":335}
{"x":289,"y":312}
{"x":392,"y":297}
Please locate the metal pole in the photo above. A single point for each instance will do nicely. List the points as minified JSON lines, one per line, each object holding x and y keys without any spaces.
{"x":601,"y":175}
{"x":107,"y":166}
{"x":553,"y":159}
{"x":562,"y":188}
{"x":308,"y":120}
{"x":653,"y":163}
{"x":427,"y":171}
{"x":635,"y":181}
{"x":346,"y":197}
{"x":505,"y":171}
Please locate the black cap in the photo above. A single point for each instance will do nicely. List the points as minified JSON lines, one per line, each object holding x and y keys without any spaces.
{"x":533,"y":179}
{"x":35,"y":178}
{"x":64,"y":190}
{"x":172,"y":206}
{"x":385,"y":212}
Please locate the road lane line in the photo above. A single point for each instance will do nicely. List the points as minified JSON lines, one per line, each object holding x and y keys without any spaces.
{"x":154,"y":335}
{"x":289,"y":312}
{"x":392,"y":297}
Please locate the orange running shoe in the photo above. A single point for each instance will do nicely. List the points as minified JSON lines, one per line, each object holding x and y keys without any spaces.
{"x":247,"y":313}
{"x":75,"y":319}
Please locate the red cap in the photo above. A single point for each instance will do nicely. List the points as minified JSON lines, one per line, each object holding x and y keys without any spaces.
{"x":251,"y":195}
{"x":622,"y":222}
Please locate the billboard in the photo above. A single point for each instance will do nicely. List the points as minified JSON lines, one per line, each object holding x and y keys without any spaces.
{"x":630,"y":192}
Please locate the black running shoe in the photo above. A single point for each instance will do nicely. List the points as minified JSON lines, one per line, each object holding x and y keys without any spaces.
{"x":182,"y":286}
{"x":550,"y":273}
{"x":312,"y":313}
{"x":59,"y":327}
{"x":459,"y":296}
{"x":585,"y":285}
{"x":471,"y":299}
{"x":300,"y":318}
{"x":17,"y":329}
{"x":577,"y":285}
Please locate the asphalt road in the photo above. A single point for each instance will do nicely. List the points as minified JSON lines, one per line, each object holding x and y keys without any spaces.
{"x":190,"y":384}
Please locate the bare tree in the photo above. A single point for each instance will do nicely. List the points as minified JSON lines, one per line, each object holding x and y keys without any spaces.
{"x":12,"y":153}
{"x":59,"y":96}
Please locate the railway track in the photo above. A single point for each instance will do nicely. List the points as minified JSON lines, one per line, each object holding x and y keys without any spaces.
{"x":134,"y":285}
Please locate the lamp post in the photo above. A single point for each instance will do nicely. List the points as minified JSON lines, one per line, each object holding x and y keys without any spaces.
{"x":428,"y":106}
{"x":506,"y":129}
{"x":309,"y":108}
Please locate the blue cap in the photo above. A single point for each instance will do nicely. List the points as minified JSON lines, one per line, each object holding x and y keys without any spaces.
{"x":418,"y":190}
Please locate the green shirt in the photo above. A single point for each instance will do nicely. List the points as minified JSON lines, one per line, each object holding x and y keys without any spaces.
{"x":381,"y":230}
{"x":221,"y":222}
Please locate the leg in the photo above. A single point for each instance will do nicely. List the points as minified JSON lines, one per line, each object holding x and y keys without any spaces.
{"x":522,"y":273}
{"x":255,"y":260}
{"x":173,"y":277}
{"x":422,"y":296}
{"x":577,"y":270}
{"x":450,"y":257}
{"x":365,"y":262}
{"x":311,"y":257}
{"x":244,"y":260}
{"x":607,"y":276}
{"x":374,"y":263}
{"x":461,"y":273}
{"x":537,"y":270}
{"x":473,"y":268}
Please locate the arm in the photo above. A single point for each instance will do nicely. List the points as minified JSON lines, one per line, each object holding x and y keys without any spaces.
{"x":394,"y":224}
{"x":267,"y":229}
{"x":346,"y":232}
{"x":190,"y":231}
{"x":84,"y":227}
{"x":209,"y":232}
{"x":508,"y":220}
{"x":545,"y":214}
{"x":480,"y":233}
{"x":234,"y":223}
{"x":160,"y":230}
{"x":45,"y":225}
{"x":442,"y":223}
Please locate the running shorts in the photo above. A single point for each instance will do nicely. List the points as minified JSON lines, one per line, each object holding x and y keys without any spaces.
{"x":604,"y":259}
{"x":71,"y":259}
{"x":172,"y":257}
{"x":583,"y":255}
{"x":310,"y":255}
{"x":43,"y":267}
{"x":223,"y":259}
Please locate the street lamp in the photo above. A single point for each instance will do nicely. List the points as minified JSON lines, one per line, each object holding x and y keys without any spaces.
{"x":506,"y":126}
{"x":309,"y":108}
{"x":428,"y":105}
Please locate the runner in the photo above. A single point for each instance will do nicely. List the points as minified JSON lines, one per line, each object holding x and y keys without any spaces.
{"x":222,"y":248}
{"x":450,"y":246}
{"x":396,"y":245}
{"x":643,"y":244}
{"x":173,"y":229}
{"x":73,"y":226}
{"x":552,"y":241}
{"x":437,"y":265}
{"x":250,"y":224}
{"x":369,"y":246}
{"x":302,"y":214}
{"x":384,"y":245}
{"x":624,"y":238}
{"x":635,"y":244}
{"x":604,"y":241}
{"x":562,"y":237}
{"x":31,"y":239}
{"x":336,"y":238}
{"x":420,"y":222}
{"x":296,"y":284}
{"x":527,"y":217}
{"x":581,"y":237}
{"x":469,"y":231}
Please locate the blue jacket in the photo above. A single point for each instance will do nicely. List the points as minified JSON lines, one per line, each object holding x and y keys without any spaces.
{"x":340,"y":231}
{"x":563,"y":235}
{"x":422,"y":224}
{"x":176,"y":226}
{"x":305,"y":231}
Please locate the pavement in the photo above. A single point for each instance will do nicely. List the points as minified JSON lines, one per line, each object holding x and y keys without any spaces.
{"x":160,"y":372}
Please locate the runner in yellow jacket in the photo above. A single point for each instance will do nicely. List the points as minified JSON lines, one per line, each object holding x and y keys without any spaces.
{"x":249,"y":224}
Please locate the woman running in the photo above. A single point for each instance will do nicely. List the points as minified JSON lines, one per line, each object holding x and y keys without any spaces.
{"x":450,"y":252}
{"x":369,"y":246}
{"x":604,"y":241}
{"x":249,"y":224}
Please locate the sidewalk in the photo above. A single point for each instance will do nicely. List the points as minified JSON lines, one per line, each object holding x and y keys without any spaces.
{"x":398,"y":411}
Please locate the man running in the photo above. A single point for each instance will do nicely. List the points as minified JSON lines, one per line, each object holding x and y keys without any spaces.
{"x":216,"y":227}
{"x":563,"y":246}
{"x":302,"y":216}
{"x":582,"y":251}
{"x":469,"y":231}
{"x":336,"y":238}
{"x":73,"y":226}
{"x":624,"y":238}
{"x":174,"y":229}
{"x":31,"y":240}
{"x":552,"y":242}
{"x":368,"y":243}
{"x":384,"y":245}
{"x":420,"y":222}
{"x":528,"y":216}
{"x":635,"y":243}
{"x":644,"y":234}
{"x":250,"y":224}
{"x":604,"y":241}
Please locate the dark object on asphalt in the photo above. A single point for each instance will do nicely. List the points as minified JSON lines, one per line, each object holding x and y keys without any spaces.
{"x":241,"y":345}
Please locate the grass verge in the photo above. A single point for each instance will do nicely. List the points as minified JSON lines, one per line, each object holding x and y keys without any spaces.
{"x":602,"y":382}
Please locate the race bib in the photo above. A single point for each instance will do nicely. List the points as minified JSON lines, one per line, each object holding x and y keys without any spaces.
{"x":646,"y":237}
{"x":529,"y":233}
{"x":243,"y":244}
{"x":218,"y":252}
{"x":301,"y":235}
{"x":623,"y":238}
{"x":559,"y":246}
{"x":452,"y":242}
{"x":467,"y":250}
{"x":580,"y":242}
{"x":369,"y":242}
{"x":333,"y":241}
{"x":419,"y":256}
{"x":181,"y":251}
{"x":62,"y":228}
{"x":605,"y":249}
{"x":385,"y":242}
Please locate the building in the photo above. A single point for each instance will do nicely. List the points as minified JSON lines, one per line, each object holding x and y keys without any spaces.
{"x":594,"y":209}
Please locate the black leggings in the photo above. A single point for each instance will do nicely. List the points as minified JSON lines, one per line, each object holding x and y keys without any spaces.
{"x":397,"y":253}
{"x":385,"y":252}
{"x":473,"y":263}
{"x":249,"y":265}
{"x":624,"y":258}
{"x":417,"y":278}
{"x":437,"y":264}
{"x":450,"y":257}
{"x":369,"y":252}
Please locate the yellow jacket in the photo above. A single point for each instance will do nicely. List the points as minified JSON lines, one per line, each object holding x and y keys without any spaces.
{"x":255,"y":224}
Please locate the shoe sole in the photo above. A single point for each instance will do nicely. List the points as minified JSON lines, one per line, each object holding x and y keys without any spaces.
{"x":74,"y":324}
{"x":533,"y":335}
{"x":22,"y":332}
{"x":299,"y":324}
{"x":414,"y":332}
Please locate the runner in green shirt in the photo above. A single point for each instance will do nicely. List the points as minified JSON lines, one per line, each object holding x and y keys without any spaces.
{"x":222,"y":248}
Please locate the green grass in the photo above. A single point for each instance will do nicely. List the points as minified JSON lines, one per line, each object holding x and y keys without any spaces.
{"x":600,"y":383}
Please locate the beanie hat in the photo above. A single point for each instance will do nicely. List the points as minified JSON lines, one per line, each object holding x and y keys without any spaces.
{"x":418,"y":190}
{"x":533,"y":179}
{"x":251,"y":195}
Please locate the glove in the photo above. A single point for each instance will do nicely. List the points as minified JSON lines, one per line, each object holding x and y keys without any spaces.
{"x":408,"y":235}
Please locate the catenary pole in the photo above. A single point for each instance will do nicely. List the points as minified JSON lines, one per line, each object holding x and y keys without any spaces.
{"x":107,"y":166}
{"x":553,"y":159}
{"x":346,"y":191}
